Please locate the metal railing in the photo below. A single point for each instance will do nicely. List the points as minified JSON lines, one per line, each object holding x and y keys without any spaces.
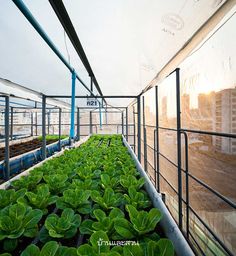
{"x":185,"y":213}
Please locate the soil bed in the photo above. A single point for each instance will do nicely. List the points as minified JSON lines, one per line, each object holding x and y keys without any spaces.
{"x":21,"y":148}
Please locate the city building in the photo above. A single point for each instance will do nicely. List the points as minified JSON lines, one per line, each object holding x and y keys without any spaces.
{"x":225,"y":120}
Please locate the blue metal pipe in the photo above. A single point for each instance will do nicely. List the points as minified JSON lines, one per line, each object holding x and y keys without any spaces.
{"x":72,"y":116}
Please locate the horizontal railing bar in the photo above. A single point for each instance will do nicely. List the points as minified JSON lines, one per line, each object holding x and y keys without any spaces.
{"x":211,"y":232}
{"x":220,"y":134}
{"x":197,"y":244}
{"x":91,"y":96}
{"x":209,"y":248}
{"x":166,"y":128}
{"x":225,"y":199}
{"x":228,"y":201}
{"x":170,"y":161}
{"x":169,"y":183}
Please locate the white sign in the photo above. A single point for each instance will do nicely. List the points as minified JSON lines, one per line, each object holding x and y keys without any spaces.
{"x":91,"y":102}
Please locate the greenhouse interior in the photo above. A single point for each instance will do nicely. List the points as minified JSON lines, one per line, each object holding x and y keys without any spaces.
{"x":118,"y":128}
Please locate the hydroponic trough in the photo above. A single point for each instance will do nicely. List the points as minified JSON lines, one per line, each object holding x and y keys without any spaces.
{"x":167,"y":223}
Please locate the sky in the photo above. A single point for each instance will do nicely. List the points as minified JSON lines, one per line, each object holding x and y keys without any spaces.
{"x":127,"y":42}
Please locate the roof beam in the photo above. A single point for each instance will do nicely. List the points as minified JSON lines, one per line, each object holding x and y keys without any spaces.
{"x":66,"y":22}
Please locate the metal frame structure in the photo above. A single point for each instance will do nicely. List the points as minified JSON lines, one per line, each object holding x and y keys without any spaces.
{"x":180,"y":170}
{"x":65,"y":20}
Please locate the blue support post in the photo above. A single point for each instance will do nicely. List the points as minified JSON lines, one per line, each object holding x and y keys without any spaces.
{"x":72,"y":116}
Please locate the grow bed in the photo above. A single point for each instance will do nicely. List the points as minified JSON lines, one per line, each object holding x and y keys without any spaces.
{"x":88,"y":201}
{"x":21,"y":148}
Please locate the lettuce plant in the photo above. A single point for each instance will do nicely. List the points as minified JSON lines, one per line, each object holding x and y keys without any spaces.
{"x":41,"y":199}
{"x":56,"y":182}
{"x":51,"y":248}
{"x":77,"y":199}
{"x":141,"y":222}
{"x":109,"y":200}
{"x":88,"y":172}
{"x":99,"y":246}
{"x":10,"y":196}
{"x":138,"y":199}
{"x":108,"y":182}
{"x":85,"y":185}
{"x":104,"y":222}
{"x":65,"y":226}
{"x":29,"y":182}
{"x":18,"y":220}
{"x":127,"y":181}
{"x":162,"y":247}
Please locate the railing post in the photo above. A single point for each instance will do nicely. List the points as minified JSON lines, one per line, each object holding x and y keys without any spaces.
{"x":36,"y":123}
{"x":126,"y":123}
{"x":155,"y":157}
{"x":122,"y":122}
{"x":72,"y":117}
{"x":32,"y":124}
{"x":139,"y":128}
{"x":145,"y":149}
{"x":134,"y":129}
{"x":44,"y":127}
{"x":178,"y":118}
{"x":78,"y":124}
{"x":143,"y":108}
{"x":90,"y":122}
{"x":59,"y":129}
{"x":157,"y":177}
{"x":186,"y":183}
{"x":11,"y":123}
{"x":7,"y":147}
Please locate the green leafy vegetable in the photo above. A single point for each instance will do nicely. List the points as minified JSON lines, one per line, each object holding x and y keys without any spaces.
{"x":56,"y":182}
{"x":51,"y":248}
{"x":18,"y":220}
{"x":65,"y":226}
{"x":29,"y":182}
{"x":142,"y":221}
{"x":127,"y":181}
{"x":10,"y":196}
{"x":85,"y":185}
{"x":138,"y":199}
{"x":109,"y":200}
{"x":107,"y":182}
{"x":76,"y":199}
{"x":41,"y":199}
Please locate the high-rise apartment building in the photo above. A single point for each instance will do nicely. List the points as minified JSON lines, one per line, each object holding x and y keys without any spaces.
{"x":225,"y":120}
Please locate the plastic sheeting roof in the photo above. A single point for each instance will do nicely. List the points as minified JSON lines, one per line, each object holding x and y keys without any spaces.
{"x":127,"y":42}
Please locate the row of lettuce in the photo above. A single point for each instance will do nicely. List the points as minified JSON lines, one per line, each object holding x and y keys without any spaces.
{"x":89,"y":201}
